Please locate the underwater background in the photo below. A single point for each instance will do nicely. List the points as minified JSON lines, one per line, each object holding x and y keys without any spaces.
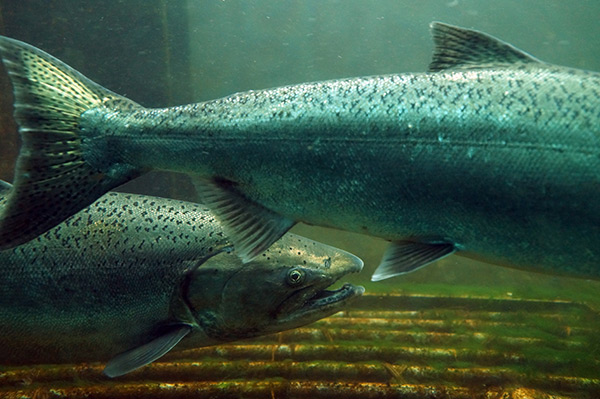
{"x":161,"y":53}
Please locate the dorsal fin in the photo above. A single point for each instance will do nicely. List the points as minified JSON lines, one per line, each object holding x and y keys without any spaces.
{"x":460,"y":48}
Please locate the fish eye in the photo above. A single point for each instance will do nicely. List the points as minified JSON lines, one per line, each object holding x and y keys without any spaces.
{"x":295,"y":277}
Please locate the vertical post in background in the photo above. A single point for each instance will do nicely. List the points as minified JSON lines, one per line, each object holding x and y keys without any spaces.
{"x":136,"y":48}
{"x":9,"y":141}
{"x":164,"y":20}
{"x":175,"y":37}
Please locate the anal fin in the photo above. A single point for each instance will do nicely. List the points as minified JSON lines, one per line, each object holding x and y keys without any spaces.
{"x":251,"y":227}
{"x":147,"y":353}
{"x":406,"y":256}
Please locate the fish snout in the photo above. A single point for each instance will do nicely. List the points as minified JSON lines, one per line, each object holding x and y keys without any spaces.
{"x":345,"y":262}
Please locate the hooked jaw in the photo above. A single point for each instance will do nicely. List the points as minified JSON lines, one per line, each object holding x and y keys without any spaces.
{"x":326,"y":300}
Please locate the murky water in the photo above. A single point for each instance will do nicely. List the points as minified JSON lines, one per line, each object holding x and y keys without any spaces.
{"x":162,"y":53}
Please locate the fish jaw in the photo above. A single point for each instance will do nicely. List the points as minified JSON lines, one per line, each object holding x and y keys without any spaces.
{"x":316,"y":303}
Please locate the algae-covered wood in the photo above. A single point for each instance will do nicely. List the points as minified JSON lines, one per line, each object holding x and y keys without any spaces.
{"x":385,"y":345}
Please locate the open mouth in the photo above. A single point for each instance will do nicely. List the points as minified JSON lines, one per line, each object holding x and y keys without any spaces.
{"x":307,"y":301}
{"x":327,"y":298}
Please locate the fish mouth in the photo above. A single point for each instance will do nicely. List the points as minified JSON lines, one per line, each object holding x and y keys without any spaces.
{"x":318,"y":298}
{"x":315,"y":301}
{"x":311,"y":303}
{"x":332,"y":298}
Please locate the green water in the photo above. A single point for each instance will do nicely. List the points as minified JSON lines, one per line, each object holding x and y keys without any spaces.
{"x":171,"y":52}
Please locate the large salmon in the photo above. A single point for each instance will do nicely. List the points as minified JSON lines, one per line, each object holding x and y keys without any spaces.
{"x":491,"y":153}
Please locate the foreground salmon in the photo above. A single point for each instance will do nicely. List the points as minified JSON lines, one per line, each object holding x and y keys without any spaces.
{"x":132,"y":277}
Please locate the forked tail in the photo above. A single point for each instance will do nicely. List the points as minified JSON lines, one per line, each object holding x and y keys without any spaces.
{"x":52,"y":179}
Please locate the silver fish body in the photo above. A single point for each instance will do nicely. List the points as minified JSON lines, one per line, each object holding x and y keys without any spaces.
{"x":508,"y":168}
{"x":492,"y":154}
{"x":119,"y":274}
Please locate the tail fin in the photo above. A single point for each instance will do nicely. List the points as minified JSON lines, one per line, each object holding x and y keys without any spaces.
{"x":52,"y":180}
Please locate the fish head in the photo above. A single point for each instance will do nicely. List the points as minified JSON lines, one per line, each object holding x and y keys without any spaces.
{"x":284,"y":288}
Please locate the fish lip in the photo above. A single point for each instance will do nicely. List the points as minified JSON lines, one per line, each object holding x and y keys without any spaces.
{"x":331,"y":298}
{"x":318,"y":300}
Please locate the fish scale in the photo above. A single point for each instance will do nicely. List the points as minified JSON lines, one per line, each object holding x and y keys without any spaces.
{"x":507,"y":170}
{"x":57,"y":270}
{"x":122,"y":274}
{"x":491,"y":154}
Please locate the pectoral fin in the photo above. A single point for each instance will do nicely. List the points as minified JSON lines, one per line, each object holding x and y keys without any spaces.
{"x":251,"y":227}
{"x":146,"y":354}
{"x":4,"y":187}
{"x":406,"y":256}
